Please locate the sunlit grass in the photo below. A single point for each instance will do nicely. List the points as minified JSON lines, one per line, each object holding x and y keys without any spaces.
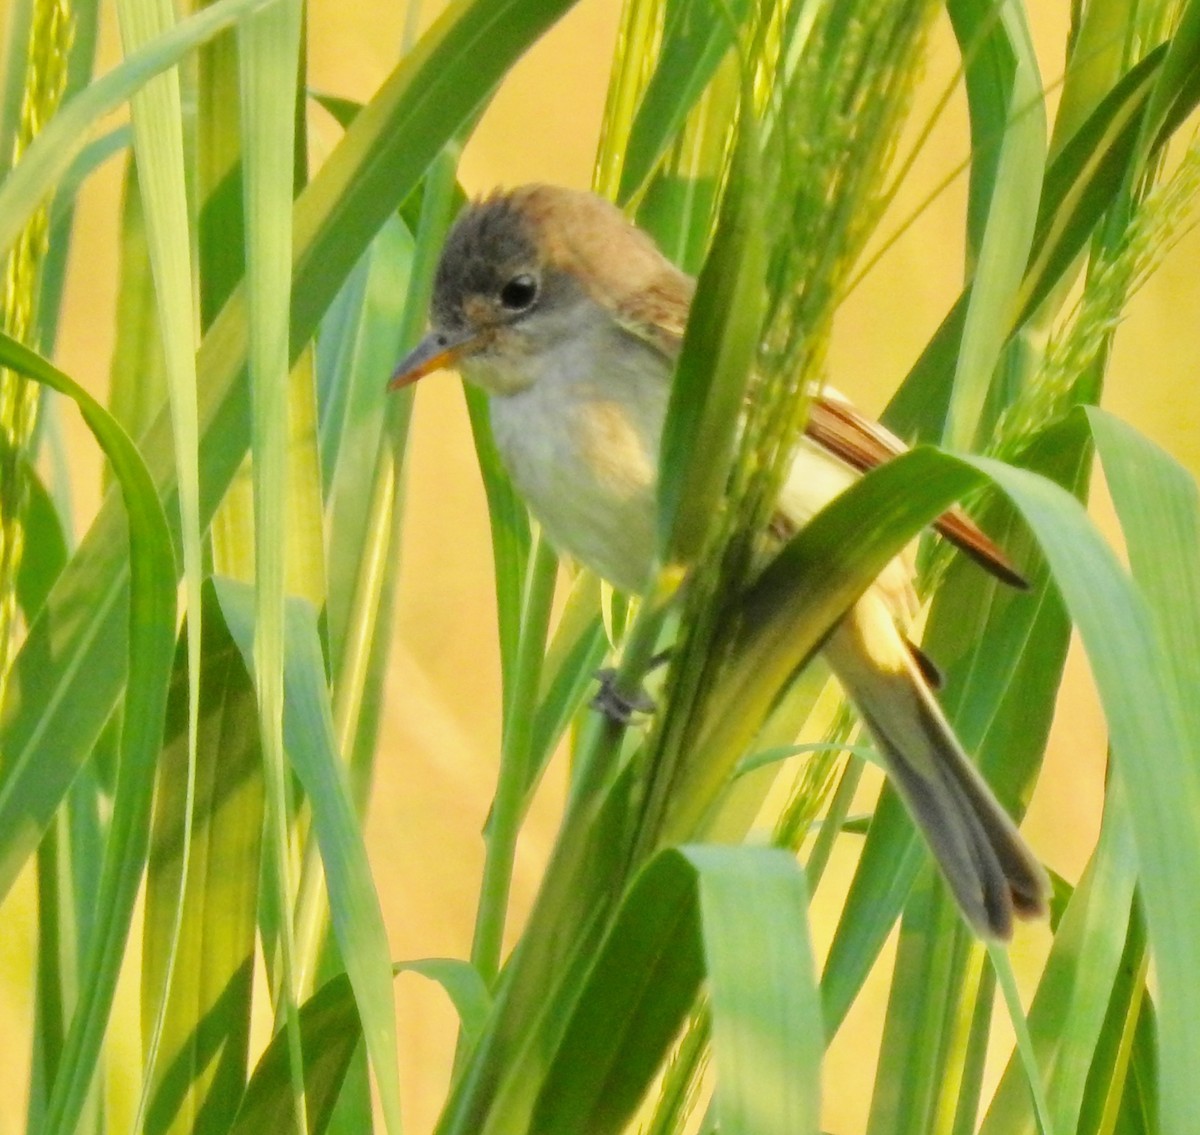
{"x":760,"y":142}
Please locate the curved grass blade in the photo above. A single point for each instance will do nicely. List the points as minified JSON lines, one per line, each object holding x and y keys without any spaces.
{"x":715,"y":363}
{"x":332,"y":1031}
{"x":696,"y":37}
{"x":1001,"y":705}
{"x":737,"y":916}
{"x":1151,"y":749}
{"x":150,"y":646}
{"x":201,"y":1073}
{"x":1077,"y":983}
{"x":1080,"y":184}
{"x":1003,"y":91}
{"x":376,"y":165}
{"x":818,"y":571}
{"x":1085,"y":180}
{"x":50,"y":155}
{"x":1178,"y":89}
{"x":353,"y":902}
{"x":157,"y":113}
{"x":45,"y":552}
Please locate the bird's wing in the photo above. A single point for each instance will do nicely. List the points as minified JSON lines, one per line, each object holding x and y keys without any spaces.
{"x":658,"y":313}
{"x":863,"y":444}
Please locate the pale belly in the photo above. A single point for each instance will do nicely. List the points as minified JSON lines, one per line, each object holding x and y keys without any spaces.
{"x":586,"y":468}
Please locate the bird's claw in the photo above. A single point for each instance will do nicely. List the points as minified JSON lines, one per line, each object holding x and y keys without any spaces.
{"x":617,"y":705}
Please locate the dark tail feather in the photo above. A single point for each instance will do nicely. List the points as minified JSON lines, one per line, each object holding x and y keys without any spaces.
{"x":988,"y":866}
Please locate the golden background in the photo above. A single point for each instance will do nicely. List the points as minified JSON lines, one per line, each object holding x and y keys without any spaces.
{"x":440,"y":735}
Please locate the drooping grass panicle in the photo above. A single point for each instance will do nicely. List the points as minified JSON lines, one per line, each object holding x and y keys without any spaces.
{"x":1164,"y":215}
{"x":829,"y":139}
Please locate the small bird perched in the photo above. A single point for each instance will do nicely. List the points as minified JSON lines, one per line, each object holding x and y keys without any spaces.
{"x":571,"y":319}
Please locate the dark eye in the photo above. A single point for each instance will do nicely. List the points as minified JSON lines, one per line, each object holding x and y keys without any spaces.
{"x":519,"y":293}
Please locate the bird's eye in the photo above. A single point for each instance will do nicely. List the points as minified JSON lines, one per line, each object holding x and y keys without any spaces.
{"x":519,"y":293}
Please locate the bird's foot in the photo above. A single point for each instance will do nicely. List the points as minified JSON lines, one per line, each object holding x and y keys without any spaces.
{"x":617,"y":705}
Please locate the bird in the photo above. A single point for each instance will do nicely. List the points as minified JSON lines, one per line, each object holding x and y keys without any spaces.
{"x":570,"y":318}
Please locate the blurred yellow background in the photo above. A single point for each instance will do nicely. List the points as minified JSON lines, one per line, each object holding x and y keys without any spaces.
{"x":440,"y":736}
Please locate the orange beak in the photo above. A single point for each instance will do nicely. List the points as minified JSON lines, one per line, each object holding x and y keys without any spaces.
{"x":438,"y":350}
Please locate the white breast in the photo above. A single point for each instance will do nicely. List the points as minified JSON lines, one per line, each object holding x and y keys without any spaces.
{"x":582,"y":450}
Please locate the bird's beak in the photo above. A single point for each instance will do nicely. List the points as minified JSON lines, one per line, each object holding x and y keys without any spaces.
{"x":437,"y":350}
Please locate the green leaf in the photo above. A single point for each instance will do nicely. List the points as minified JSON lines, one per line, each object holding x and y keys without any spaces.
{"x":1073,"y":994}
{"x":157,"y":113}
{"x":331,"y":1032}
{"x":1150,"y":744}
{"x":308,"y":734}
{"x":1081,"y":183}
{"x":268,"y":53}
{"x":1084,"y":181}
{"x":466,"y":989}
{"x":23,"y":794}
{"x":50,"y":154}
{"x":1008,"y":136}
{"x":331,"y":1028}
{"x":1002,"y":653}
{"x":695,"y":39}
{"x":715,"y":364}
{"x":1178,"y":88}
{"x":377,"y":164}
{"x":45,"y":551}
{"x":765,"y":1011}
{"x":737,"y":915}
{"x":201,"y":1071}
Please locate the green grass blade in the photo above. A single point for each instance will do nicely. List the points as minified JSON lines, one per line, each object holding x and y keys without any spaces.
{"x":511,"y":536}
{"x":766,"y":1014}
{"x":1012,"y":998}
{"x":1178,"y":88}
{"x":16,"y":42}
{"x":1003,"y":89}
{"x":50,"y":155}
{"x":695,"y":39}
{"x":715,"y":363}
{"x":1076,"y":985}
{"x":137,"y":386}
{"x":377,"y":165}
{"x":62,"y":218}
{"x":691,"y":912}
{"x":151,"y":636}
{"x":466,"y":989}
{"x":1098,"y":51}
{"x":268,"y":53}
{"x":1082,"y":182}
{"x":157,"y":114}
{"x":331,"y":1032}
{"x":201,"y":1073}
{"x":921,"y":1060}
{"x":1150,"y":744}
{"x":1008,"y":649}
{"x":354,"y":905}
{"x":45,"y":552}
{"x":1159,"y":509}
{"x":516,"y":769}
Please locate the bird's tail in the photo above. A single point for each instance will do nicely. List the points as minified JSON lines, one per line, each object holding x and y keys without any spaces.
{"x":990,"y":869}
